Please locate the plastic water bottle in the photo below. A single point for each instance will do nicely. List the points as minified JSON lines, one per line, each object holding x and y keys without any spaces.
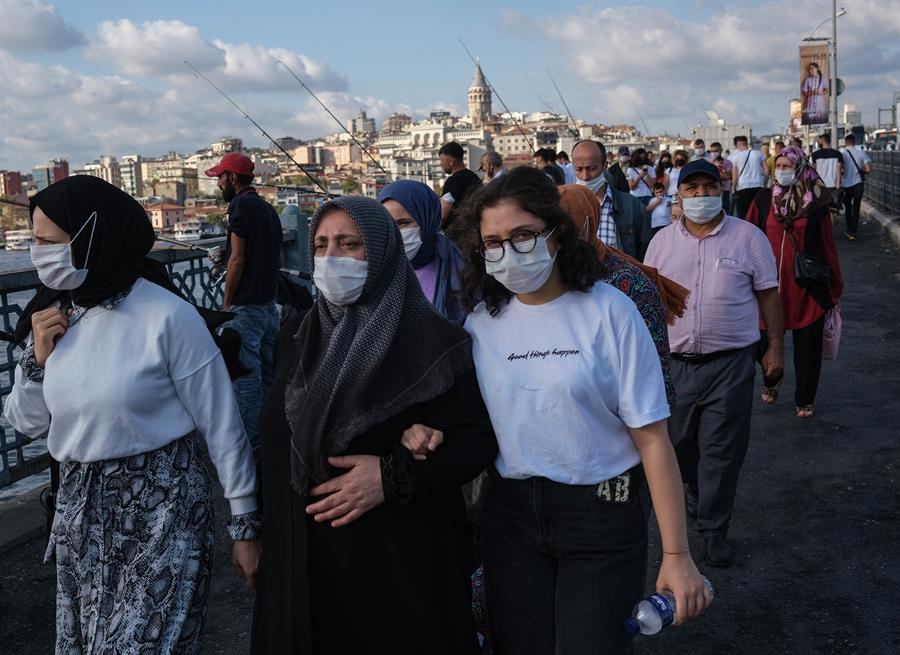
{"x":655,"y":612}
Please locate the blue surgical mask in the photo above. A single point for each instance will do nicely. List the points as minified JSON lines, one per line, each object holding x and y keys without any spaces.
{"x":340,"y":279}
{"x":702,"y":209}
{"x":594,"y":185}
{"x":54,"y":262}
{"x":785,"y":177}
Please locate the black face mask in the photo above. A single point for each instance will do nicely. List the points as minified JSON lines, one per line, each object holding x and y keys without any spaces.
{"x":666,"y":164}
{"x":680,"y":162}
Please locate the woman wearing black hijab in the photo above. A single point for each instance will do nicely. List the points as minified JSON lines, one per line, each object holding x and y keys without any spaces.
{"x":121,"y":372}
{"x":366,"y":546}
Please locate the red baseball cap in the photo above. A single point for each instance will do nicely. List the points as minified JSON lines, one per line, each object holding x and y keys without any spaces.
{"x":233,"y":162}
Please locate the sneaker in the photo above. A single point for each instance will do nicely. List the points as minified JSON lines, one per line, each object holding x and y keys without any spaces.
{"x":851,"y":237}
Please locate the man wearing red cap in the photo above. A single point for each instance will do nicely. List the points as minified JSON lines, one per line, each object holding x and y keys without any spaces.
{"x":253,"y":257}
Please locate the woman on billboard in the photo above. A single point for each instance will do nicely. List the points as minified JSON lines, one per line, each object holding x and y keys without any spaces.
{"x":815,"y":92}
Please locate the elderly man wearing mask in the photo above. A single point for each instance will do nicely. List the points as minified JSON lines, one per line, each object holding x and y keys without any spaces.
{"x":624,"y":221}
{"x":492,"y":166}
{"x":731,"y":274}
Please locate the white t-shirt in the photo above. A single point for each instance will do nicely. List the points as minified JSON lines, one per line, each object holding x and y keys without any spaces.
{"x":851,"y":174}
{"x":662,"y":213}
{"x":751,"y":174}
{"x":674,"y":173}
{"x":134,"y":378}
{"x":564,"y":381}
{"x":645,"y":187}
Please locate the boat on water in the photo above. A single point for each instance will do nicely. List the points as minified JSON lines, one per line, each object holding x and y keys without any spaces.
{"x":196,"y":230}
{"x":19,"y":239}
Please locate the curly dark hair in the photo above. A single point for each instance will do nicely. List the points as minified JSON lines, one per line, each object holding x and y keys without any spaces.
{"x":536,"y":194}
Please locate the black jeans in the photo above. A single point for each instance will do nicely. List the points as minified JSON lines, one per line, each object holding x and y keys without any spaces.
{"x":564,"y":564}
{"x":852,"y":200}
{"x":742,"y":199}
{"x":807,"y":360}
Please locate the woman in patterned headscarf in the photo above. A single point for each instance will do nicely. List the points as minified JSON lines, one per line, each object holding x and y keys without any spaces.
{"x":795,"y":214}
{"x":357,"y":525}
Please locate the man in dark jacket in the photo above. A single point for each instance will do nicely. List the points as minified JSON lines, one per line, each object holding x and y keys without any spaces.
{"x":616,"y":170}
{"x":624,"y":221}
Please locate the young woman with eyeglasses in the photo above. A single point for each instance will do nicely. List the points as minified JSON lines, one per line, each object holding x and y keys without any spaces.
{"x":574,"y":389}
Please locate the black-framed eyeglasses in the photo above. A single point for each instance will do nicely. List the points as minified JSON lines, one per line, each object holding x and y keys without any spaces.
{"x":522,"y":241}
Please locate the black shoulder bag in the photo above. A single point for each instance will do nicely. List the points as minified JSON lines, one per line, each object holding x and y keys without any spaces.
{"x":862,"y":173}
{"x":810,"y":270}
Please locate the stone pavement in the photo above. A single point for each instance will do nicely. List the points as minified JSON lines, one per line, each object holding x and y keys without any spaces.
{"x":817,"y":520}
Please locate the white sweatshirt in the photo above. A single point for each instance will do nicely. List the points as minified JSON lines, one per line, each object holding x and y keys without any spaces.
{"x":132,"y":379}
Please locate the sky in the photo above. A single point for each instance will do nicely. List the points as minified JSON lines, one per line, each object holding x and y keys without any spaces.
{"x":83,"y":78}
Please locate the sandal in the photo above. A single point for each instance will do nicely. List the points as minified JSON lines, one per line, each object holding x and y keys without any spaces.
{"x":804,"y":411}
{"x":769,"y":395}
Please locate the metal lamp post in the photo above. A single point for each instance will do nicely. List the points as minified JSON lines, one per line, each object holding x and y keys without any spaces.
{"x":832,"y":43}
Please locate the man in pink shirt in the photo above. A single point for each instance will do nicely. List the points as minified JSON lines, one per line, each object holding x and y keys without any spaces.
{"x":729,"y":269}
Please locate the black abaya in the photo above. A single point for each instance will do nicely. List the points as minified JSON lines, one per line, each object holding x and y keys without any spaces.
{"x":397,"y":579}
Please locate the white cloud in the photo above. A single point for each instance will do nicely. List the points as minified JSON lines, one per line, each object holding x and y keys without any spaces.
{"x":683,"y":67}
{"x":159,"y":49}
{"x":257,"y":67}
{"x":155,"y":48}
{"x":32,"y":25}
{"x":53,"y":111}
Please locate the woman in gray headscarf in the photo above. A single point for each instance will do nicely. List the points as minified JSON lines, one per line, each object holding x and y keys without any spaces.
{"x":366,"y":546}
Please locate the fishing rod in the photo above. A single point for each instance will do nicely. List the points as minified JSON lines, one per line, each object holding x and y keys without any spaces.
{"x":539,"y":96}
{"x":643,"y":122}
{"x":336,"y":120}
{"x":546,"y":104}
{"x":312,"y":177}
{"x":280,"y":187}
{"x":15,"y":203}
{"x":494,"y":91}
{"x":189,"y":245}
{"x":568,"y":111}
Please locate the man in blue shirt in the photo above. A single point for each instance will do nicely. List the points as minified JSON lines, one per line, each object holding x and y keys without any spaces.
{"x":856,"y":166}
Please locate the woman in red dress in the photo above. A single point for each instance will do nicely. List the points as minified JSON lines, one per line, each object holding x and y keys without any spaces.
{"x":795,"y":214}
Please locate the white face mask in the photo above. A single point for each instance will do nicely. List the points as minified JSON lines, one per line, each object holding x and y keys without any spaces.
{"x":523,"y":273}
{"x":699,"y":151}
{"x":594,"y":185}
{"x":340,"y":279}
{"x":785,"y":178}
{"x":702,"y":209}
{"x":412,"y":241}
{"x":54,"y":262}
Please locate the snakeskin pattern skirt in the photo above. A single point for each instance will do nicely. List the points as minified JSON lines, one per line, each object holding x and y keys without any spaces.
{"x":132,"y":539}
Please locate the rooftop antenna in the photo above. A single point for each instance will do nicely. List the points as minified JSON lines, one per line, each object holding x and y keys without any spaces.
{"x":494,"y":91}
{"x":259,"y":127}
{"x":336,"y":120}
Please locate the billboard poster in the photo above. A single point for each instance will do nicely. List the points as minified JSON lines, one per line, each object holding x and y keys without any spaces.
{"x":814,"y":87}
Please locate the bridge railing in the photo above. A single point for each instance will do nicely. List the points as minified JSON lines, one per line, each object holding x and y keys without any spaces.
{"x":883,"y":183}
{"x":190,"y":271}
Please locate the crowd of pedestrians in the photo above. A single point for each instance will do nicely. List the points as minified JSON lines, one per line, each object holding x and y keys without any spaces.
{"x":457,"y":446}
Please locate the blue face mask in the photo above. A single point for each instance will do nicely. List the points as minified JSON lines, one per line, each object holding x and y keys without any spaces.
{"x":55,"y":265}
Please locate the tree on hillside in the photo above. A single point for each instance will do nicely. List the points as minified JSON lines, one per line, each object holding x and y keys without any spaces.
{"x":350,"y":184}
